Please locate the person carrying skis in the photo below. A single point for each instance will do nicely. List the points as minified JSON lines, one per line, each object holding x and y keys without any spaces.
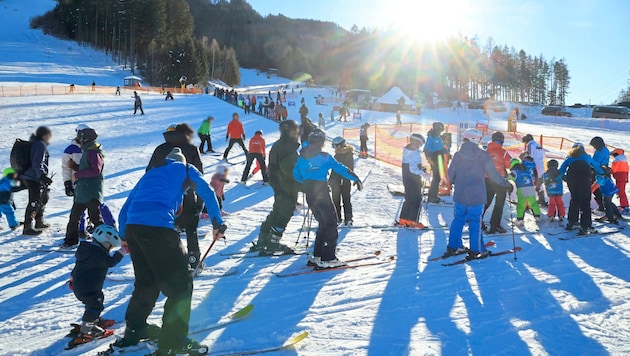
{"x":619,"y":169}
{"x":160,"y":262}
{"x":257,"y":151}
{"x":608,"y":189}
{"x":434,"y":148}
{"x":181,"y":136}
{"x":555,"y":191}
{"x":601,"y":157}
{"x":501,"y":159}
{"x":536,"y":152}
{"x":311,"y":170}
{"x":35,"y":178}
{"x":282,"y":159}
{"x":578,"y":167}
{"x":235,"y":134}
{"x":8,"y":185}
{"x":137,"y":103}
{"x":363,"y":138}
{"x":524,"y":180}
{"x":204,"y":133}
{"x":412,"y":173}
{"x":93,"y":259}
{"x":340,"y":186}
{"x":218,"y":182}
{"x":468,"y":169}
{"x":89,"y":188}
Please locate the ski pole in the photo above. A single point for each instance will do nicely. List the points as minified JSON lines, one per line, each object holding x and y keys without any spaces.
{"x":308,"y":232}
{"x":221,"y":230}
{"x":303,"y":221}
{"x":512,"y":225}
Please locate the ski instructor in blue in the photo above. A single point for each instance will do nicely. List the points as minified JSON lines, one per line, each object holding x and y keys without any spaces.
{"x":468,"y":169}
{"x":160,"y":262}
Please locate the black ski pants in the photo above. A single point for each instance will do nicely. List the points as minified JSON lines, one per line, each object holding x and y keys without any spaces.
{"x":37,"y":200}
{"x":283,"y":208}
{"x":413,"y":199}
{"x":580,"y":208}
{"x":340,"y":189}
{"x":94,"y":212}
{"x":205,"y":139}
{"x":494,"y":190}
{"x":239,"y":141}
{"x":320,"y":203}
{"x":261,"y":161}
{"x":189,"y":220}
{"x":93,"y":302}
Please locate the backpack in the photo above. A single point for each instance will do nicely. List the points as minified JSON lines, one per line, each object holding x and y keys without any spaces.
{"x":21,"y":156}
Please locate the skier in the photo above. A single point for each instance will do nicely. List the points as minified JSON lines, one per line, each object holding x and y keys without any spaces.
{"x":608,"y":190}
{"x":305,"y":129}
{"x":433,"y":148}
{"x":89,"y":188}
{"x":578,"y":177}
{"x":501,"y":159}
{"x":236,"y":134}
{"x":137,"y":104}
{"x":340,"y":186}
{"x":398,"y":118}
{"x":303,"y":111}
{"x":285,"y":112}
{"x":601,"y":156}
{"x":554,"y":188}
{"x":71,"y":153}
{"x":363,"y":137}
{"x":88,"y":275}
{"x":257,"y":151}
{"x":218,"y":182}
{"x":117,"y":91}
{"x":619,"y":169}
{"x":169,"y":95}
{"x":412,"y":174}
{"x":311,"y":170}
{"x":204,"y":133}
{"x":536,"y":152}
{"x":469,"y":167}
{"x":321,"y":121}
{"x":181,"y":136}
{"x":159,"y":261}
{"x":524,"y":180}
{"x":282,"y":159}
{"x":35,"y":178}
{"x":93,"y":86}
{"x":8,"y":185}
{"x":253,"y":104}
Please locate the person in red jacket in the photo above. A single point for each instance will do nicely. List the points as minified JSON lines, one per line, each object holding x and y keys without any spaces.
{"x":235,"y":134}
{"x":619,"y":169}
{"x":501,"y":159}
{"x":257,"y":151}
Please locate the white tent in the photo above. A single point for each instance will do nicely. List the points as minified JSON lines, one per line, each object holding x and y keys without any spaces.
{"x":393,"y":96}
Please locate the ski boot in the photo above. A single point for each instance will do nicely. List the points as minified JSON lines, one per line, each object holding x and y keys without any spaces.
{"x":472,"y":255}
{"x":334,"y":263}
{"x":88,"y":331}
{"x":454,"y":251}
{"x":497,"y":230}
{"x":190,"y":347}
{"x":587,"y":231}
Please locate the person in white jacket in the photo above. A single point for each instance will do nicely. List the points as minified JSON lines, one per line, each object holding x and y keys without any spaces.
{"x":413,"y":173}
{"x":71,"y":153}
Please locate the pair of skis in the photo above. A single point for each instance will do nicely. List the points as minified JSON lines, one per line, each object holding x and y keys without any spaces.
{"x":353,"y":263}
{"x":465,"y":260}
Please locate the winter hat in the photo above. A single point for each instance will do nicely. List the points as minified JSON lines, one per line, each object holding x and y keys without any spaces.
{"x":552,"y":163}
{"x":498,"y":137}
{"x":438,"y":126}
{"x":42,"y":131}
{"x":176,"y":155}
{"x":87,"y":135}
{"x":616,"y":152}
{"x":514,"y":162}
{"x":8,"y":172}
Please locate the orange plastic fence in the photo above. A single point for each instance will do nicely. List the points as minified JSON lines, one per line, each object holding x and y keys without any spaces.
{"x":59,"y":89}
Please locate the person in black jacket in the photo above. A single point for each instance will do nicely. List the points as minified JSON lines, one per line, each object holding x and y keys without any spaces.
{"x":88,"y":275}
{"x":578,"y":178}
{"x":37,"y":181}
{"x":340,"y":186}
{"x":305,"y":129}
{"x":181,"y":135}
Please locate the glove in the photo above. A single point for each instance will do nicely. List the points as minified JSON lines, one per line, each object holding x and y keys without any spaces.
{"x":422,"y":168}
{"x":45,"y":180}
{"x":69,"y":188}
{"x":510,"y":189}
{"x":72,"y":165}
{"x":70,"y":284}
{"x":358,"y":184}
{"x":123,"y":251}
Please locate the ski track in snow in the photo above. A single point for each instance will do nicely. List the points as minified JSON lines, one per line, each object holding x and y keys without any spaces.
{"x":559,"y":297}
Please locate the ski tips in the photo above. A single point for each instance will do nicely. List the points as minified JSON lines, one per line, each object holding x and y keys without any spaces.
{"x":297,"y":338}
{"x":243,"y":312}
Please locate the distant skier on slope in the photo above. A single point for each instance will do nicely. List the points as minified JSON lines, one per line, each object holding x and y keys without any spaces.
{"x":257,"y":151}
{"x":363,"y":138}
{"x":235,"y":134}
{"x":137,"y":103}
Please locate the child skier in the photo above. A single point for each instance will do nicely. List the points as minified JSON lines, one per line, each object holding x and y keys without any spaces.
{"x":554,"y":188}
{"x":537,"y":154}
{"x":619,"y":169}
{"x":363,"y":137}
{"x":93,"y":261}
{"x":321,"y":122}
{"x":9,"y":184}
{"x":525,"y":191}
{"x":257,"y":151}
{"x":311,"y":170}
{"x":412,"y":174}
{"x":218,"y":182}
{"x":608,"y":189}
{"x":340,"y":186}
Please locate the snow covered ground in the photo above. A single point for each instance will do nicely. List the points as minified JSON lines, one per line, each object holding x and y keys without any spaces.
{"x":558,"y":298}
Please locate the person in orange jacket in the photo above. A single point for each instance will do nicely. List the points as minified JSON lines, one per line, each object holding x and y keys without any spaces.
{"x":235,"y":134}
{"x":619,"y":170}
{"x":501,"y":159}
{"x":257,"y":151}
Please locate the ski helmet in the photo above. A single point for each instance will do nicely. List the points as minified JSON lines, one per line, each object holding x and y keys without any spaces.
{"x":578,"y":144}
{"x":107,"y":236}
{"x":597,"y":142}
{"x":552,"y":163}
{"x":473,"y":135}
{"x":438,"y":126}
{"x":418,"y":138}
{"x":498,"y":137}
{"x":287,"y":126}
{"x":338,"y":141}
{"x":317,"y":137}
{"x":258,"y":132}
{"x":8,"y":172}
{"x":617,"y":151}
{"x":87,"y":135}
{"x":527,"y":138}
{"x":514,"y":162}
{"x":524,"y":155}
{"x":81,"y":127}
{"x":171,"y":128}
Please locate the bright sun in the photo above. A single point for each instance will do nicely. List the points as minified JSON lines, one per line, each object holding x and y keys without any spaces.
{"x":428,"y":21}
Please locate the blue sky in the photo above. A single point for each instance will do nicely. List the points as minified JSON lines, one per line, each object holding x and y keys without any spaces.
{"x":593,"y":36}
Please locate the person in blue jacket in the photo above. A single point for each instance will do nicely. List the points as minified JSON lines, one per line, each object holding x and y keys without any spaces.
{"x":601,"y":156}
{"x":578,"y":167}
{"x":159,"y":260}
{"x":468,"y":170}
{"x":579,"y":155}
{"x":311,"y":170}
{"x":608,"y":190}
{"x":8,"y":185}
{"x":433,"y":148}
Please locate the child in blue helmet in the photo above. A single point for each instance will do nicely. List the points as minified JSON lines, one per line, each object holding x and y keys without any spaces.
{"x":525,"y":190}
{"x":608,"y":189}
{"x":9,"y":184}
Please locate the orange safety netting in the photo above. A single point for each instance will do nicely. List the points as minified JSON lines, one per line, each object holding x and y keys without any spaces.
{"x":57,"y":89}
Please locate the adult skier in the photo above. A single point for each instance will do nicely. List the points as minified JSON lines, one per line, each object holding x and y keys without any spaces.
{"x":311,"y":170}
{"x":159,"y":261}
{"x":235,"y":134}
{"x":257,"y":151}
{"x":204,"y":132}
{"x":578,"y":177}
{"x":71,"y":153}
{"x":303,"y":111}
{"x":35,"y":178}
{"x":137,"y":103}
{"x":340,"y":186}
{"x":468,"y":169}
{"x":181,"y":136}
{"x":433,"y":149}
{"x":412,"y":173}
{"x":501,"y":159}
{"x":282,"y":159}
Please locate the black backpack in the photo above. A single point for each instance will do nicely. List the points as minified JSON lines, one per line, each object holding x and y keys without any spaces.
{"x":21,"y":156}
